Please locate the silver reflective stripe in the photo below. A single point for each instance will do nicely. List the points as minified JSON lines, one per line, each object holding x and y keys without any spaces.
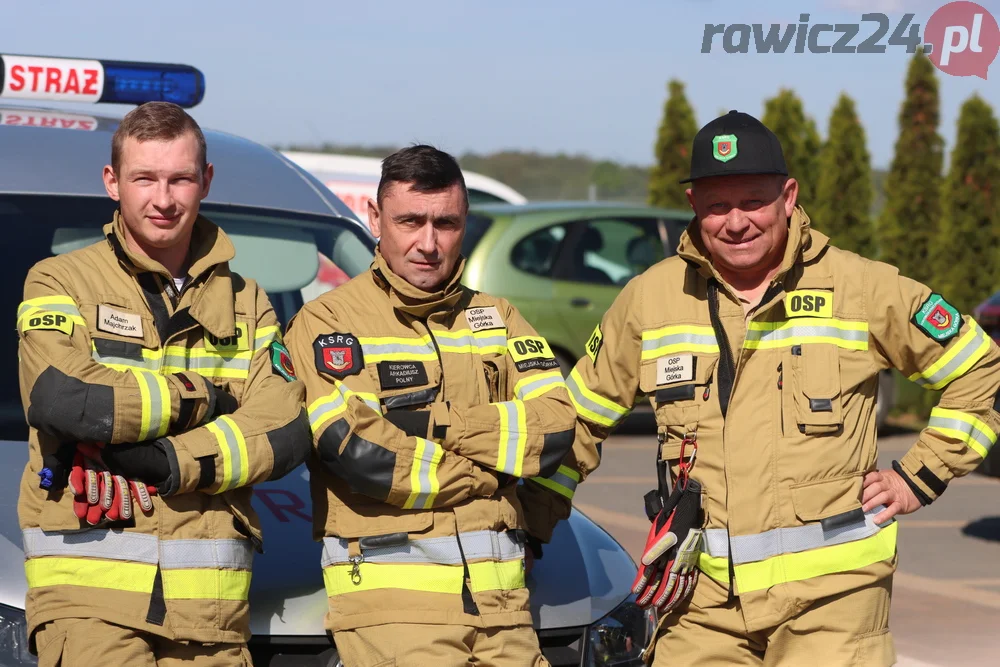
{"x":206,"y":363}
{"x":210,"y":554}
{"x":95,"y":543}
{"x":649,"y":345}
{"x":754,"y":548}
{"x":233,"y":444}
{"x":152,"y":365}
{"x":564,"y":481}
{"x":57,"y":307}
{"x":513,"y":435}
{"x":530,"y":386}
{"x":970,"y":349}
{"x":962,"y":427}
{"x":807,"y":331}
{"x":596,"y":408}
{"x":491,"y":341}
{"x":428,"y":450}
{"x":263,"y":341}
{"x":378,"y":349}
{"x":139,"y":548}
{"x":336,"y":401}
{"x":477,"y":545}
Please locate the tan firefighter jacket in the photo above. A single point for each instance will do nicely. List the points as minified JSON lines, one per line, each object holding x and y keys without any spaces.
{"x":110,"y":353}
{"x":422,"y":524}
{"x":782,"y":460}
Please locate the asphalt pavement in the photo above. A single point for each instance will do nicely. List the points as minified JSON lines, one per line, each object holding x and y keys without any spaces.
{"x":946,"y":592}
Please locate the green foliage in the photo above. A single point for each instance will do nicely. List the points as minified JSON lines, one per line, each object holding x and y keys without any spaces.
{"x":965,"y":253}
{"x":844,"y":189}
{"x":908,"y":224}
{"x":673,"y":150}
{"x":800,"y":142}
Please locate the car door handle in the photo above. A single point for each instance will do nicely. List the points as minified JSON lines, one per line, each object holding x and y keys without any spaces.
{"x":579,"y":302}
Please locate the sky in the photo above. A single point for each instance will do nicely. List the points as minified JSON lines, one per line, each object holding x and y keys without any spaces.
{"x":579,"y":77}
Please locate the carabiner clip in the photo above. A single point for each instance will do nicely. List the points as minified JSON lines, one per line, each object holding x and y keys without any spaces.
{"x":356,"y":562}
{"x":684,"y":468}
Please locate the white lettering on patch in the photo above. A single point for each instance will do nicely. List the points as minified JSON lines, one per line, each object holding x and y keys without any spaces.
{"x":675,"y":368}
{"x":483,"y":318}
{"x":119,"y":322}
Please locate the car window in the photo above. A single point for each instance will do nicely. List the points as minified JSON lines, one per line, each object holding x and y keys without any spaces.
{"x":294,"y":257}
{"x":612,"y":251}
{"x":476,"y":226}
{"x":536,"y":253}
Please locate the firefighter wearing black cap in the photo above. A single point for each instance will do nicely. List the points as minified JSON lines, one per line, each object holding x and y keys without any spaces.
{"x":773,"y":539}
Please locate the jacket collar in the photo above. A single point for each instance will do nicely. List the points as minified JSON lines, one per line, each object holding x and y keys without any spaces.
{"x":804,"y":244}
{"x":210,"y":295}
{"x":412,"y":300}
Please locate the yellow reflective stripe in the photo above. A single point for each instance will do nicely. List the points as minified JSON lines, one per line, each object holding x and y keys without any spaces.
{"x":91,"y":573}
{"x":225,"y":452}
{"x":957,"y":361}
{"x":325,"y":408}
{"x":591,"y":406}
{"x":369,"y":399}
{"x":817,"y":562}
{"x":428,"y":578}
{"x":31,"y":312}
{"x":62,"y":303}
{"x":154,"y":395}
{"x":715,"y":567}
{"x":232,"y":364}
{"x":204,"y":584}
{"x":393,"y":348}
{"x":513,"y":437}
{"x":842,"y":333}
{"x":535,"y":385}
{"x":233,"y":447}
{"x":563,"y":482}
{"x":678,"y":338}
{"x":424,"y":484}
{"x":964,"y":428}
{"x":264,"y":336}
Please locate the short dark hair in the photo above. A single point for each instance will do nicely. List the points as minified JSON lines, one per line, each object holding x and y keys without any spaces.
{"x":156,"y":121}
{"x":426,"y":167}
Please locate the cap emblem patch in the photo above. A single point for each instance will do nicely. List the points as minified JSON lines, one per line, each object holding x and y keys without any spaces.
{"x":724,"y":147}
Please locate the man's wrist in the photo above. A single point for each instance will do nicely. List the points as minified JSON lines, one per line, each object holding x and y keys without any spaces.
{"x":917,"y":491}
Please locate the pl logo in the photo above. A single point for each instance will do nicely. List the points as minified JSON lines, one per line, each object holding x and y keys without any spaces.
{"x":963,"y":39}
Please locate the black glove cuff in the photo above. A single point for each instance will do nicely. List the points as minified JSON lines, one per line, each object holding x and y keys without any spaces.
{"x":534,"y":544}
{"x":924,"y":499}
{"x":170,"y":485}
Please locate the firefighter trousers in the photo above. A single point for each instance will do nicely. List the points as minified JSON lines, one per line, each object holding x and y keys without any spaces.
{"x":846,"y":630}
{"x":419,"y":645}
{"x":90,"y":642}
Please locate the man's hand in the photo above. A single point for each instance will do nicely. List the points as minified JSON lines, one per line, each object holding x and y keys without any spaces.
{"x":886,"y":487}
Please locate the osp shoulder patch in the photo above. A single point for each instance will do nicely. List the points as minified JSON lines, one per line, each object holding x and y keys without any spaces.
{"x":531,"y":353}
{"x":938,"y":319}
{"x":480,"y":319}
{"x":594,"y":344}
{"x":49,"y":319}
{"x":238,"y":342}
{"x":338,"y":354}
{"x":809,"y":303}
{"x":281,"y":362}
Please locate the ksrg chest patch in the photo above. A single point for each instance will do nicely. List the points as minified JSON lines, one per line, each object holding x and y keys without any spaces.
{"x":338,"y":354}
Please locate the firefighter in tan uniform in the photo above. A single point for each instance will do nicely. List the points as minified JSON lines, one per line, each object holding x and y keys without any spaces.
{"x":773,"y":540}
{"x":429,"y":403}
{"x":157,"y":391}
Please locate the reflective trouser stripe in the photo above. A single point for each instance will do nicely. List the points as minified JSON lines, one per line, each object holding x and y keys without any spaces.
{"x":955,"y":362}
{"x":842,"y":333}
{"x":513,"y":437}
{"x":675,"y":339}
{"x":535,"y":385}
{"x":591,"y":406}
{"x":233,"y":447}
{"x":155,"y":397}
{"x":424,"y":485}
{"x":475,"y":545}
{"x":193,"y":584}
{"x":965,"y":428}
{"x":563,"y":482}
{"x":427,"y":578}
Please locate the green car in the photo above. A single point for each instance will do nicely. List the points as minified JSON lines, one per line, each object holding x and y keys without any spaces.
{"x":563,"y":263}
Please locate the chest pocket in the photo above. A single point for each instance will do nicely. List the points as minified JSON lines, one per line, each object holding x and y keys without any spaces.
{"x":813,"y":404}
{"x":121,"y":336}
{"x":406,"y":384}
{"x":678,"y":386}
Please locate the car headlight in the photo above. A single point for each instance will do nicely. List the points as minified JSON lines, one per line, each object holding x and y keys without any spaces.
{"x":14,"y":639}
{"x":618,"y":639}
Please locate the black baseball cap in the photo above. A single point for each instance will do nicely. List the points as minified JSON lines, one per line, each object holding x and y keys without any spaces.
{"x":736,"y":143}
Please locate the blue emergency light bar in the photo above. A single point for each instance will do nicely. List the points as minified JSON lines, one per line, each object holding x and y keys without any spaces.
{"x":99,"y":81}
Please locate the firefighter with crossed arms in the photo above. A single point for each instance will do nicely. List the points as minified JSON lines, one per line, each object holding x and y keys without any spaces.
{"x":773,"y":537}
{"x":157,"y":391}
{"x":443,"y":437}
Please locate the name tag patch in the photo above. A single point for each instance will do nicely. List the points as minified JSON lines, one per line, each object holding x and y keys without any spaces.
{"x":676,"y":368}
{"x":238,"y":342}
{"x":531,"y":353}
{"x":396,"y":374}
{"x":119,"y":322}
{"x":480,"y":319}
{"x":809,"y":303}
{"x":338,"y":354}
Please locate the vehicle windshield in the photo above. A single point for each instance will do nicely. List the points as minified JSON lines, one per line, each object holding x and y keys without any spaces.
{"x":294,"y":257}
{"x":476,"y":226}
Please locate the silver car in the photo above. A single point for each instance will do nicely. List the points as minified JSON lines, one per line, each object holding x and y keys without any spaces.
{"x":297,"y":240}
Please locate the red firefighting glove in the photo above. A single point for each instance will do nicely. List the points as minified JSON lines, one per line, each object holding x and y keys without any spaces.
{"x":99,"y":495}
{"x":668,"y":569}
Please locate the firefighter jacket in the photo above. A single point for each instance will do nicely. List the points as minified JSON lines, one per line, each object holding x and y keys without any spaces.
{"x":781,"y":406}
{"x":427,"y":410}
{"x":111,"y":353}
